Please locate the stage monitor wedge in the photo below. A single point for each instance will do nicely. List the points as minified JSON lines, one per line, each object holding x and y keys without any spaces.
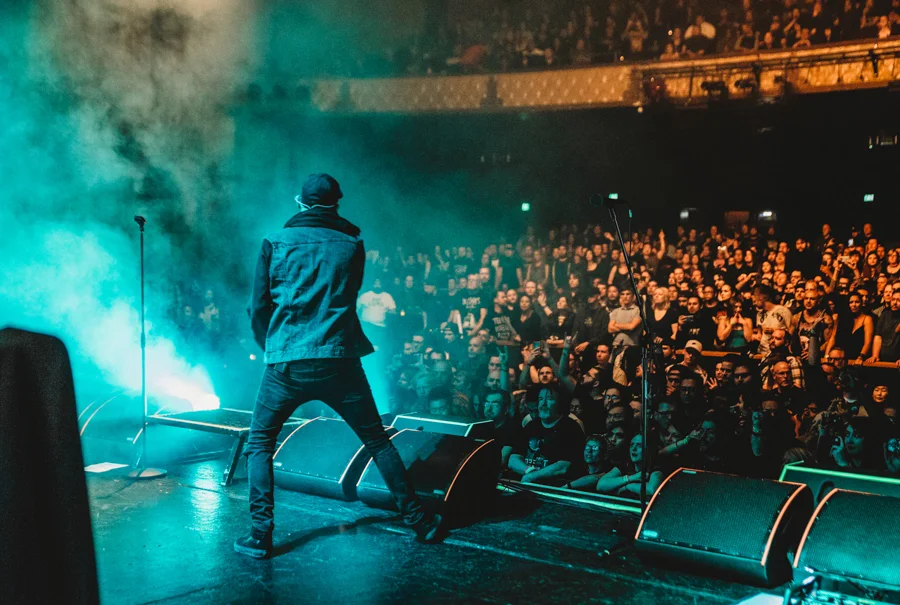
{"x":323,"y":457}
{"x":727,"y":525}
{"x":446,"y":425}
{"x":822,"y":480}
{"x":853,"y":536}
{"x":456,"y":475}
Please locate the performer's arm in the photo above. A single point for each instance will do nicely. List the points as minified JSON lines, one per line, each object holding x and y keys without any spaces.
{"x":261,"y":305}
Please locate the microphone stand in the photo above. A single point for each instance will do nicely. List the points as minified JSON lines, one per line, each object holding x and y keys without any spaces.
{"x":140,"y":471}
{"x":647,"y":357}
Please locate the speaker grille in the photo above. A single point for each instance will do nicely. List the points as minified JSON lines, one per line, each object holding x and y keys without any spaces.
{"x":323,"y":447}
{"x":856,"y":535}
{"x":716,"y":512}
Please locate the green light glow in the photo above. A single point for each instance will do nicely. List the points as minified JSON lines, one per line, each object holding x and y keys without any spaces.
{"x":830,"y":473}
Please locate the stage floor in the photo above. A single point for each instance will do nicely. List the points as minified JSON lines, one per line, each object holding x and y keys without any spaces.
{"x":169,"y":541}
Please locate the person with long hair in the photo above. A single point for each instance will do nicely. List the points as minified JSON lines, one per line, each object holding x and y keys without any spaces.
{"x":596,"y":459}
{"x":661,"y":317}
{"x":871,"y":267}
{"x":537,"y":270}
{"x":618,"y":275}
{"x":526,"y":322}
{"x":858,"y":447}
{"x":735,"y":330}
{"x":856,"y":329}
{"x":592,"y":269}
{"x":625,"y":479}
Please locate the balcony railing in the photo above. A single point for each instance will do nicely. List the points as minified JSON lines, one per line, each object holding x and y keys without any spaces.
{"x":873,"y":63}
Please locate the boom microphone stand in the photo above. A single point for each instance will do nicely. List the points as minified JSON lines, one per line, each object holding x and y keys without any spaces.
{"x":647,"y":341}
{"x":140,"y":471}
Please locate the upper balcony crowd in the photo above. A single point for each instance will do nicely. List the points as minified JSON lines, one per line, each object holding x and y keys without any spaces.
{"x":549,"y":35}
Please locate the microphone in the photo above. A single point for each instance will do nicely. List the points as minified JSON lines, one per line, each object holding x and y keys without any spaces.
{"x":605,"y":200}
{"x":140,"y":220}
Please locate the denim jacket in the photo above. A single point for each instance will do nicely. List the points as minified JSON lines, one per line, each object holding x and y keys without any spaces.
{"x":308,"y":276}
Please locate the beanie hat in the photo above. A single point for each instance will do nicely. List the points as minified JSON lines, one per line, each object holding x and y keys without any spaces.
{"x":320,"y":190}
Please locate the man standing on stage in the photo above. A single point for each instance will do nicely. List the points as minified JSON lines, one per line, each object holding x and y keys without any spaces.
{"x":303,"y":314}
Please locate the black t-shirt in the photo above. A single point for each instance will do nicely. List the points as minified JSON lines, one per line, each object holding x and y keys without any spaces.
{"x":663,"y":327}
{"x":509,"y":266}
{"x":665,"y":267}
{"x":560,"y":272}
{"x":705,"y":324}
{"x":542,"y":446}
{"x":529,"y":330}
{"x":500,"y":324}
{"x":460,"y":267}
{"x":733,"y":272}
{"x":604,"y":266}
{"x":699,"y":326}
{"x":453,"y":302}
{"x":508,"y":432}
{"x":436,"y":309}
{"x":472,"y":301}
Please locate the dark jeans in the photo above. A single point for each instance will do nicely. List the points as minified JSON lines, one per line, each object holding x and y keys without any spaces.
{"x":342,"y":384}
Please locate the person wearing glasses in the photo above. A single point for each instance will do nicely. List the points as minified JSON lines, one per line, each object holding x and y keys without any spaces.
{"x":671,"y":428}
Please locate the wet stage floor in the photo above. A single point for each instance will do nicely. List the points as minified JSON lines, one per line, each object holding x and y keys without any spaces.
{"x":169,"y":541}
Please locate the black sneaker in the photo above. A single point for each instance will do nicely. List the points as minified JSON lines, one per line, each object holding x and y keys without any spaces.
{"x":250,"y":546}
{"x":430,"y":530}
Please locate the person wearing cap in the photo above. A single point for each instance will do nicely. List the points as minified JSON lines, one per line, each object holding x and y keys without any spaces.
{"x":693,"y":352}
{"x":303,"y":315}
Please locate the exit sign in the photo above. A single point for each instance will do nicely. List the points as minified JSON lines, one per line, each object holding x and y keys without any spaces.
{"x":869,"y":197}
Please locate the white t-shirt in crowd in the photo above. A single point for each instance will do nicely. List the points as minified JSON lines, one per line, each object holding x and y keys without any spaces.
{"x":375,"y":307}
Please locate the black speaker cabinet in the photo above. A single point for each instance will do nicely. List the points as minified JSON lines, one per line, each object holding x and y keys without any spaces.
{"x":47,"y":550}
{"x":323,"y":457}
{"x":855,"y":536}
{"x":726,"y":525}
{"x":447,"y":425}
{"x":457,"y":474}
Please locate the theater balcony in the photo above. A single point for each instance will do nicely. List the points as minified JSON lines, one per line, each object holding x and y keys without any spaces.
{"x":765,"y":75}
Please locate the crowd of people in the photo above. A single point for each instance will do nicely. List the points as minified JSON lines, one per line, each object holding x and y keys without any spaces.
{"x":552,"y":34}
{"x":766,"y":350}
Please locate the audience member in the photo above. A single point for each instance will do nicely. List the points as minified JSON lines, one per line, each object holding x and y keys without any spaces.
{"x":808,"y":376}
